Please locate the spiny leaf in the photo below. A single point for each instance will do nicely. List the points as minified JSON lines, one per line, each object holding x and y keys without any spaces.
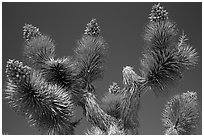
{"x":181,"y":114}
{"x":187,"y":56}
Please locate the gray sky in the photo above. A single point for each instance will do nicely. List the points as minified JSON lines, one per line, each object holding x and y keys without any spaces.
{"x":122,"y":26}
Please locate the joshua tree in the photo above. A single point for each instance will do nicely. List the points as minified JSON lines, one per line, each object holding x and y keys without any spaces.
{"x":46,"y":89}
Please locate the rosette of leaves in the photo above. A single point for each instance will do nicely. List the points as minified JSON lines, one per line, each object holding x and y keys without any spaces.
{"x":46,"y":106}
{"x":164,"y":59}
{"x":63,"y":72}
{"x":90,"y":55}
{"x":181,"y":114}
{"x":38,"y":47}
{"x":60,"y":71}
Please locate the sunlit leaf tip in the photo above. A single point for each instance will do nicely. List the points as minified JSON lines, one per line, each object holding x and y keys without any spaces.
{"x":130,"y":77}
{"x":187,"y":55}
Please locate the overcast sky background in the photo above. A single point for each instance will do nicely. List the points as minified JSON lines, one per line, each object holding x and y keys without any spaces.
{"x":122,"y":26}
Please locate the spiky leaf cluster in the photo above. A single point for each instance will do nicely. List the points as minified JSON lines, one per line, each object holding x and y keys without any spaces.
{"x":30,"y":32}
{"x":160,"y":35}
{"x":161,"y":70}
{"x":92,"y":28}
{"x":91,"y":55}
{"x":181,"y":114}
{"x":38,"y":50}
{"x":47,"y":107}
{"x":60,"y":71}
{"x":158,"y":13}
{"x":63,"y":72}
{"x":164,"y":60}
{"x":187,"y":56}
